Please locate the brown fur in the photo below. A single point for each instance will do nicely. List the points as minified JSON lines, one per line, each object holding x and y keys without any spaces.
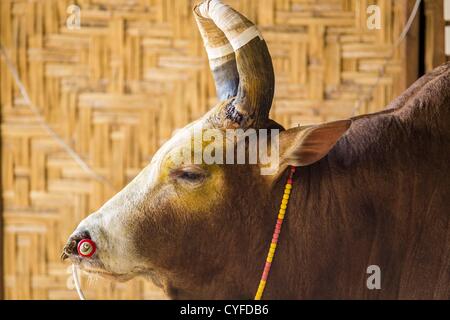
{"x":381,"y":197}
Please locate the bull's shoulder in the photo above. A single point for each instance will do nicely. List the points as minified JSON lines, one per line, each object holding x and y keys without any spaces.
{"x":426,"y":104}
{"x":418,"y":119}
{"x":396,"y":138}
{"x":414,"y":90}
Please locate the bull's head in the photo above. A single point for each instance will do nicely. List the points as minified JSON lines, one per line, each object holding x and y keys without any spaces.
{"x":196,"y":227}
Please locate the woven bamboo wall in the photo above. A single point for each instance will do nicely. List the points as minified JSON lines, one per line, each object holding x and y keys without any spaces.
{"x":435,"y":34}
{"x":135,"y":71}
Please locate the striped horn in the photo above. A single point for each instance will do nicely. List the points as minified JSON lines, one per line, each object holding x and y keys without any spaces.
{"x":222,"y":59}
{"x":240,"y":62}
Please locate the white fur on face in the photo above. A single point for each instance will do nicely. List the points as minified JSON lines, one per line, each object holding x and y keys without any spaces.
{"x":108,"y":226}
{"x":180,"y":138}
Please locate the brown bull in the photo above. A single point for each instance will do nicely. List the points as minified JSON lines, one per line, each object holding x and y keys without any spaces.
{"x":373,"y":190}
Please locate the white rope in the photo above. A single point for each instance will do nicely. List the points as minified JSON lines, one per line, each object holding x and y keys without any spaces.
{"x":227,"y":19}
{"x":234,"y":44}
{"x":76,"y":281}
{"x":41,"y":119}
{"x":219,"y":52}
{"x":245,"y":37}
{"x":382,"y":70}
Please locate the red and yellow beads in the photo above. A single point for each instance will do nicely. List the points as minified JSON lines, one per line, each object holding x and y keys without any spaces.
{"x":276,"y":234}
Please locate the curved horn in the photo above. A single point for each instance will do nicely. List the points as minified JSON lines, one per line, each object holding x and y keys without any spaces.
{"x":253,"y":99}
{"x":221,"y":57}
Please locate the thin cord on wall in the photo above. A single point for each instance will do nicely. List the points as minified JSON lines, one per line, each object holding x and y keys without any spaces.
{"x":42,"y":121}
{"x":382,"y":70}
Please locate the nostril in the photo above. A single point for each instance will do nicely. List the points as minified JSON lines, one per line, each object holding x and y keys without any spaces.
{"x":81,"y":236}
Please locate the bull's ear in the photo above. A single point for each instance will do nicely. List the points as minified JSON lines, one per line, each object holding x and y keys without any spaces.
{"x":303,"y":146}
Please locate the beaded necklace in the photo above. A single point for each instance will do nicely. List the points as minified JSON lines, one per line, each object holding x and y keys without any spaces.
{"x":276,"y":234}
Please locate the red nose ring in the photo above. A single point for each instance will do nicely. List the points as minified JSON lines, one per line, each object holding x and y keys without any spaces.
{"x":86,"y":248}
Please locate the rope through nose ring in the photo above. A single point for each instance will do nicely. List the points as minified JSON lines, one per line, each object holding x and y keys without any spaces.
{"x":76,"y":280}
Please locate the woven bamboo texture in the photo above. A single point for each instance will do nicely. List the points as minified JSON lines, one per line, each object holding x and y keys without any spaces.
{"x":435,"y":36}
{"x":117,"y":88}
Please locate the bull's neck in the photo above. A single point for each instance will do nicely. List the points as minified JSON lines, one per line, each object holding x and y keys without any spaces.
{"x":307,"y":211}
{"x":328,"y":211}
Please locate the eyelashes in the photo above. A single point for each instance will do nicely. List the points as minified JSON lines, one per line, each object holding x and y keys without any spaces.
{"x":190,"y":174}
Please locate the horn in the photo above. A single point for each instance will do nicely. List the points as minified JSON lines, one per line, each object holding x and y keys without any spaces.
{"x":240,"y":61}
{"x":221,"y":57}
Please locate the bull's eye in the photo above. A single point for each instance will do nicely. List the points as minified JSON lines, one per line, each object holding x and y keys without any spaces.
{"x":191,"y":175}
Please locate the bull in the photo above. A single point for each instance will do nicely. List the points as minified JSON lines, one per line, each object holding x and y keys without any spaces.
{"x":370,"y":190}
